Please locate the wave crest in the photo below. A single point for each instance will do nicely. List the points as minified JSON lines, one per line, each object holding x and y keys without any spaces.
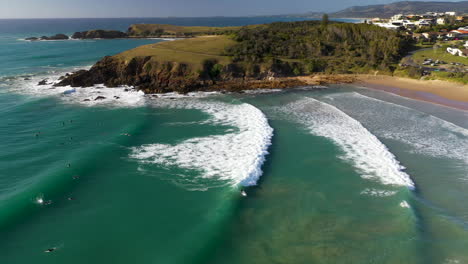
{"x":235,"y":157}
{"x":361,"y":148}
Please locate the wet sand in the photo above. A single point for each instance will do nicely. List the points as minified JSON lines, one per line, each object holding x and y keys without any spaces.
{"x":439,"y":92}
{"x":434,"y":91}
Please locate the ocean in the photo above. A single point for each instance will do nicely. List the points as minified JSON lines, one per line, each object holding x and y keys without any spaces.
{"x":337,"y":175}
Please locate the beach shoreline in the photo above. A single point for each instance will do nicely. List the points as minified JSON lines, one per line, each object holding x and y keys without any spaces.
{"x":445,"y":93}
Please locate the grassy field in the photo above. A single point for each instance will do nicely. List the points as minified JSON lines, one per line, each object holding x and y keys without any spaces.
{"x":191,"y":51}
{"x":438,"y":54}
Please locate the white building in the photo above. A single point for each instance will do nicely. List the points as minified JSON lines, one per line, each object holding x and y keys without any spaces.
{"x":424,"y":23}
{"x":451,"y":13}
{"x":397,"y":17}
{"x":388,"y":26}
{"x":441,"y":21}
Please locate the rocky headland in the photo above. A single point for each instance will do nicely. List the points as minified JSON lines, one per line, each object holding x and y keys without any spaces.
{"x":276,"y":55}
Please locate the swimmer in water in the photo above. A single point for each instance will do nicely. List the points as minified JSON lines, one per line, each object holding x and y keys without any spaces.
{"x":50,"y":250}
{"x":243,"y":193}
{"x":68,"y":165}
{"x":71,"y":199}
{"x":47,"y":202}
{"x":76,"y":177}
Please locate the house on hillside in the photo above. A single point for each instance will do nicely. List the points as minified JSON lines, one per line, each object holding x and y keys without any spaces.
{"x":442,"y":21}
{"x":434,"y":35}
{"x":458,"y":33}
{"x":417,"y":36}
{"x":388,"y":26}
{"x":424,"y":23}
{"x":466,"y":44}
{"x":408,"y":24}
{"x":397,"y":17}
{"x":451,"y":13}
{"x":462,"y":19}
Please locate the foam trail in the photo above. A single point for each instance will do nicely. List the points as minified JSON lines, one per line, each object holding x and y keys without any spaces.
{"x":87,"y":96}
{"x":427,"y":134}
{"x":235,"y":157}
{"x":361,"y":148}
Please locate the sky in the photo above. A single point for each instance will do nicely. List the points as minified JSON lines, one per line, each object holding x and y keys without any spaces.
{"x":165,"y":8}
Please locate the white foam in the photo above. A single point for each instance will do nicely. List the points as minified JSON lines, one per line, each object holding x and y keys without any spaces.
{"x":405,"y":204}
{"x":427,"y":134}
{"x":88,"y":96}
{"x":361,"y":148}
{"x":235,"y":157}
{"x":378,"y":193}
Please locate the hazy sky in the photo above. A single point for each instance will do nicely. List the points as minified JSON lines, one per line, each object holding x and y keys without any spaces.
{"x":164,"y":8}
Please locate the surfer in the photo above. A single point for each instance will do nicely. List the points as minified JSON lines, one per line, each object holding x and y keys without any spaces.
{"x":68,"y":165}
{"x":76,"y":177}
{"x":71,"y":199}
{"x":243,"y":193}
{"x":50,"y":250}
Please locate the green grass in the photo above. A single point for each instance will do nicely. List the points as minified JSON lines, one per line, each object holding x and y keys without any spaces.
{"x":191,"y":51}
{"x":448,"y":76}
{"x":438,"y":54}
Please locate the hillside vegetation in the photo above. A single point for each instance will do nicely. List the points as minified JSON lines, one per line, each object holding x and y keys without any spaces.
{"x":247,"y":55}
{"x":310,"y":47}
{"x":159,"y":30}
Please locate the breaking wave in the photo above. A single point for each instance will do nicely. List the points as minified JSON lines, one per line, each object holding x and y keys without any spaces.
{"x":235,"y":157}
{"x":426,"y":134}
{"x":361,"y":148}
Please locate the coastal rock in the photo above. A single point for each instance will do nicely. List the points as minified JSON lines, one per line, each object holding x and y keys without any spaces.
{"x":54,"y":37}
{"x":99,"y":34}
{"x":152,"y":76}
{"x":99,"y":98}
{"x":43,"y":82}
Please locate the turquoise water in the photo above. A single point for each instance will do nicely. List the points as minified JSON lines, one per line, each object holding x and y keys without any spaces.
{"x":343,"y":175}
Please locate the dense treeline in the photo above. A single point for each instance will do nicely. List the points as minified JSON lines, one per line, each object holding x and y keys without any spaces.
{"x":313,"y":46}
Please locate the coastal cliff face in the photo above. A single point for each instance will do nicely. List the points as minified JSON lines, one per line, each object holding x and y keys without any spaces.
{"x":152,"y":76}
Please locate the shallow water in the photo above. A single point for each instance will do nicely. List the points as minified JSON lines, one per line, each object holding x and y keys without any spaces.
{"x":344,"y":175}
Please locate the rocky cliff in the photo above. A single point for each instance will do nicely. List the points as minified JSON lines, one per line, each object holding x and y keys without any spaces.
{"x":152,"y":76}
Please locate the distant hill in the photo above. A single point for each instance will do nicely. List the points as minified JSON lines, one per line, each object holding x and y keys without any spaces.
{"x":404,"y":7}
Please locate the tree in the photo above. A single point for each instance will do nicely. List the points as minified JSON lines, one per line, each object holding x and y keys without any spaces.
{"x":325,"y":20}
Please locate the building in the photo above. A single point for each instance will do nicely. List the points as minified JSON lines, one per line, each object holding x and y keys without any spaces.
{"x":388,"y":26}
{"x":424,"y":23}
{"x":441,"y":21}
{"x":459,"y":33}
{"x":408,"y":24}
{"x":461,"y":18}
{"x":397,"y":17}
{"x":451,"y":13}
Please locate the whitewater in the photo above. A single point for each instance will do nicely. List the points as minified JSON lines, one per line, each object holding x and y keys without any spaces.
{"x":361,"y":148}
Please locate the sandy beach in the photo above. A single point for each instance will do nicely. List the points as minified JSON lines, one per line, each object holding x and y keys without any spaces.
{"x":440,"y":92}
{"x":435,"y":91}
